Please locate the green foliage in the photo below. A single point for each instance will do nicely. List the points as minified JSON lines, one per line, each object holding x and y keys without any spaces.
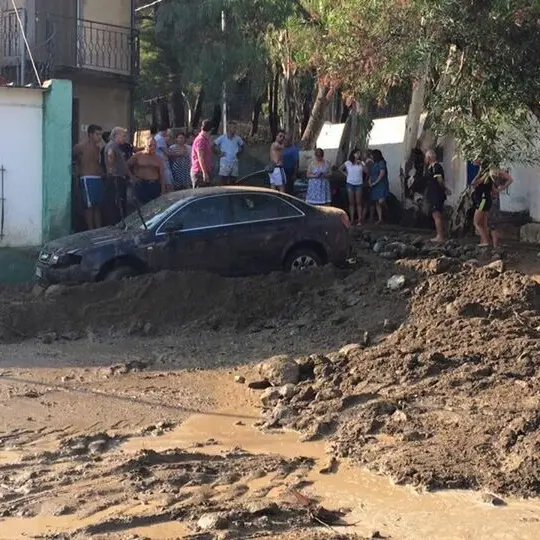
{"x":192,"y":33}
{"x":482,"y":58}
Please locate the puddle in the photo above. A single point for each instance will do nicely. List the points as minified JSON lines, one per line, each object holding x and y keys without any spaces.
{"x":375,"y":503}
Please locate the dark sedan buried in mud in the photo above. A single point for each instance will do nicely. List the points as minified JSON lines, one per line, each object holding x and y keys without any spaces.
{"x":232,"y":231}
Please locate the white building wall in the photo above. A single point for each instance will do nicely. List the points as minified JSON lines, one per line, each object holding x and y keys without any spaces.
{"x":523,"y":195}
{"x":21,"y":116}
{"x":387,"y":135}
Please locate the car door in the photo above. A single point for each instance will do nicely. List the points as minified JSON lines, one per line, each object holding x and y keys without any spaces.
{"x":197,"y":236}
{"x":264,"y":225}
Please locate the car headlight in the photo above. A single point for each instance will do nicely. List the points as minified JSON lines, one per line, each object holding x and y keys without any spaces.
{"x":64,"y":259}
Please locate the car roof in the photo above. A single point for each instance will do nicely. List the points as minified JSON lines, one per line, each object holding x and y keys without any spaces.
{"x":218,"y":190}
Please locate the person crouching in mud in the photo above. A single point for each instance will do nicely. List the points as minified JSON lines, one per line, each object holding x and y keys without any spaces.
{"x":488,"y":185}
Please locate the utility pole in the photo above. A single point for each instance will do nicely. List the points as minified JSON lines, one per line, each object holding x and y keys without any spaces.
{"x":224,"y":89}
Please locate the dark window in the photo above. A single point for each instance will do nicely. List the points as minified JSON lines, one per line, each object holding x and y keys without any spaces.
{"x":259,"y":207}
{"x":207,"y":212}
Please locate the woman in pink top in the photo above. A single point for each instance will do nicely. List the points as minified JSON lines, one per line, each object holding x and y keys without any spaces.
{"x":201,"y":157}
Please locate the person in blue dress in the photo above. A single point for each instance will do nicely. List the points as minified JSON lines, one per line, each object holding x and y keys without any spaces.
{"x":378,"y":181}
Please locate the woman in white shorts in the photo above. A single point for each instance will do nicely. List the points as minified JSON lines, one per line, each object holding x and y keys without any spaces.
{"x":354,"y":168}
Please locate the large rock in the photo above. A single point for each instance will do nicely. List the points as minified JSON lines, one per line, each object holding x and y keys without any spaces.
{"x":396,"y":283}
{"x":214,"y":521}
{"x":270,"y":396}
{"x":530,"y":233}
{"x":280,"y":370}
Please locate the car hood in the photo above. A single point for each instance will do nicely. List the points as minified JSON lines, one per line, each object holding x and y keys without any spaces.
{"x":76,"y":243}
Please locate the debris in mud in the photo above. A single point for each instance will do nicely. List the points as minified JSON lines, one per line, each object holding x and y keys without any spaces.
{"x":280,"y":370}
{"x":395,"y":283}
{"x":125,"y":368}
{"x":259,"y":385}
{"x":489,"y":498}
{"x":87,"y":444}
{"x":213,"y":522}
{"x":239,"y":379}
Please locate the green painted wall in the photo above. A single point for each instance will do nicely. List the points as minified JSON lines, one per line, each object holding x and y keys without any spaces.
{"x":57,"y":134}
{"x":17,"y":265}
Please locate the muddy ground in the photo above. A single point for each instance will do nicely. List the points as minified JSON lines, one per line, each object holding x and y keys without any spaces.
{"x":433,"y":384}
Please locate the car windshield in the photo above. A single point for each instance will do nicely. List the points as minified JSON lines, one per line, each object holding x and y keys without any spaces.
{"x":152,"y":213}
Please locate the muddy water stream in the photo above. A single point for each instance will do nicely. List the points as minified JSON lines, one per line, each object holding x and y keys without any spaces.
{"x":376,"y":504}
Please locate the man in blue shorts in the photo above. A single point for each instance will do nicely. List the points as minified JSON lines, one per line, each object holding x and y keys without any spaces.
{"x":87,"y":157}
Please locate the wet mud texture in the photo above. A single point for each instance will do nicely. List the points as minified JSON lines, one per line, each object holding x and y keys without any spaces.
{"x":331,"y":301}
{"x":216,"y":496}
{"x":449,"y":399}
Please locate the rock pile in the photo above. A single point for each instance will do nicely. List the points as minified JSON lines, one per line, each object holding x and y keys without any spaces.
{"x":448,"y":400}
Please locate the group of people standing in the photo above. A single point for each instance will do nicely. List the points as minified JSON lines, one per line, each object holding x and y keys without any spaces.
{"x":367,"y":178}
{"x":109,"y":168}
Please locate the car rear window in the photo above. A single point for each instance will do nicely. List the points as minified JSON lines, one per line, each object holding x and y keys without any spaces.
{"x":258,"y":207}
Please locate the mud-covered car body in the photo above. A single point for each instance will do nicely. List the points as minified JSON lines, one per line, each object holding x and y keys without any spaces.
{"x":226,"y":230}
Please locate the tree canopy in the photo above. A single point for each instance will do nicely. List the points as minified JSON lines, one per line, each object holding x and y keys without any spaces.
{"x":479,"y":61}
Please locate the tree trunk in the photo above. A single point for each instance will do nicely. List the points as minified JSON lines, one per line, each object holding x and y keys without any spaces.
{"x":197,"y":113}
{"x":216,"y":118}
{"x":416,"y":108}
{"x":346,"y":112}
{"x":306,"y":113}
{"x":255,"y":115}
{"x":289,"y":109}
{"x":153,"y":114}
{"x":273,"y":116}
{"x":316,"y":119}
{"x":163,"y":113}
{"x":353,"y":133}
{"x":177,"y":108}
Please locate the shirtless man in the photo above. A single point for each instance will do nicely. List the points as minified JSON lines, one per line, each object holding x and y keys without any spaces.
{"x":149,"y":170}
{"x":87,"y":158}
{"x":276,"y":172}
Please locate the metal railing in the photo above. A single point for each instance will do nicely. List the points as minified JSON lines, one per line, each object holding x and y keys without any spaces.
{"x":59,"y":43}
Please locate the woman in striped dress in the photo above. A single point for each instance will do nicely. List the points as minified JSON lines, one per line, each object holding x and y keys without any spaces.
{"x":318,"y":191}
{"x":181,"y":163}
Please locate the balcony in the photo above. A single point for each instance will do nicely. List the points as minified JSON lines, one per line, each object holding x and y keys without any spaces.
{"x":62,"y":46}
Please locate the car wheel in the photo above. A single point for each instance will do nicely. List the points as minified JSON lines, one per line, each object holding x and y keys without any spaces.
{"x":121,"y":272}
{"x":302,"y":259}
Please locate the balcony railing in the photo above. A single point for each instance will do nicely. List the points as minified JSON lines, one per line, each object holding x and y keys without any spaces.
{"x":61,"y":43}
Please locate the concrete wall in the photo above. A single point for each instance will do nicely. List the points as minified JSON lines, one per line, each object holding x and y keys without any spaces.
{"x":105,"y":106}
{"x":387,"y":135}
{"x":57,"y":160}
{"x":21,"y":155}
{"x":116,"y":12}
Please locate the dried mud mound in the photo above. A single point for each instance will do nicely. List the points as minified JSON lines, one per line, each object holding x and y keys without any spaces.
{"x":325,"y":298}
{"x":451,"y":399}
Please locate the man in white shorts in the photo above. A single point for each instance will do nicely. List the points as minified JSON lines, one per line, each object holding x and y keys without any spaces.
{"x":229,"y":146}
{"x":276,"y":173}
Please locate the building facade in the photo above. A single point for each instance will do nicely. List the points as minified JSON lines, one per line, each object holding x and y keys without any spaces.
{"x":35,"y":177}
{"x":92,"y":43}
